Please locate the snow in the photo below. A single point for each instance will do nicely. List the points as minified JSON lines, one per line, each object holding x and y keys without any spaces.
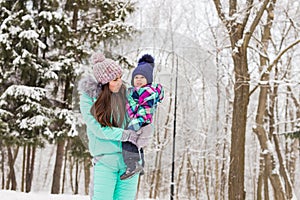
{"x":14,"y":30}
{"x":30,"y":34}
{"x":21,"y":90}
{"x":29,"y":18}
{"x":13,"y":195}
{"x":41,"y":44}
{"x":4,"y":37}
{"x":35,"y":121}
{"x":46,"y":15}
{"x":239,"y":43}
{"x":17,"y":60}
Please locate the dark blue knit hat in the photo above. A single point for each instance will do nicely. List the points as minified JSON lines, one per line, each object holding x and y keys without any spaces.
{"x":145,"y":68}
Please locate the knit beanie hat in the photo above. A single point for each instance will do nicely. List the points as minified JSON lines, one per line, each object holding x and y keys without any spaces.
{"x":105,"y":69}
{"x":145,"y":68}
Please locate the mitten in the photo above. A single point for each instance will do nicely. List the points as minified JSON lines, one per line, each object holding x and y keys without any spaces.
{"x":145,"y":136}
{"x":130,"y":136}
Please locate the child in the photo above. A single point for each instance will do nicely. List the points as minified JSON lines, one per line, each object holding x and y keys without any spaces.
{"x":141,"y":105}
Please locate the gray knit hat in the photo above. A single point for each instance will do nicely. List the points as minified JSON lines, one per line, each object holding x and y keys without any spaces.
{"x":105,"y":69}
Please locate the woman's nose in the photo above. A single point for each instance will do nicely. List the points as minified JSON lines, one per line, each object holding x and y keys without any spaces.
{"x":120,"y":82}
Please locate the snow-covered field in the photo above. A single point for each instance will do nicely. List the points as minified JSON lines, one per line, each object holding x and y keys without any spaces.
{"x":12,"y":195}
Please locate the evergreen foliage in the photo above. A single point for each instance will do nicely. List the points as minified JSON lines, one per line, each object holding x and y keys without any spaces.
{"x":44,"y":45}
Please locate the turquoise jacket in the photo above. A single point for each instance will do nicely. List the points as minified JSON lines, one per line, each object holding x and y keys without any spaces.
{"x":105,"y":146}
{"x":102,"y":140}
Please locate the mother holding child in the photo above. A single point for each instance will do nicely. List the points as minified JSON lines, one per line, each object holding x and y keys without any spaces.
{"x":118,"y":121}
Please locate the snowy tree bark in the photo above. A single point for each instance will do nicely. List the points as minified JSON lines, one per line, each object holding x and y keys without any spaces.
{"x":2,"y":164}
{"x":30,"y":159}
{"x":11,"y":179}
{"x":239,"y":46}
{"x":239,"y":39}
{"x":87,"y":174}
{"x":58,"y":167}
{"x":271,"y":151}
{"x":294,"y":149}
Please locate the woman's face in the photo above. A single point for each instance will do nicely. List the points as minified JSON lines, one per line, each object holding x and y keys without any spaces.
{"x":115,"y":85}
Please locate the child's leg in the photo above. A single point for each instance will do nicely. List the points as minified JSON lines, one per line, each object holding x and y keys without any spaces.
{"x":130,"y":154}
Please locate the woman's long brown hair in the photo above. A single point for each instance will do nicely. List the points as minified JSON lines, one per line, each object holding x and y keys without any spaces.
{"x":110,"y":108}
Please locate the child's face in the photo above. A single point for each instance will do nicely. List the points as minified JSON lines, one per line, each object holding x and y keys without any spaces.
{"x":139,"y":81}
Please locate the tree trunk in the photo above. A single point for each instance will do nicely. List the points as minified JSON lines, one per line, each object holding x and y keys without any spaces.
{"x":75,"y":17}
{"x":30,"y":167}
{"x":292,"y":158}
{"x":157,"y":176}
{"x":265,"y":179}
{"x":238,"y":129}
{"x":76,"y":176}
{"x":225,"y":147}
{"x":23,"y":169}
{"x":58,"y":166}
{"x":12,"y":176}
{"x":206,"y":178}
{"x":197,"y":181}
{"x":87,"y":174}
{"x":223,"y":172}
{"x":241,"y":88}
{"x":71,"y":167}
{"x":189,"y":177}
{"x":180,"y":174}
{"x":2,"y":164}
{"x":260,"y":178}
{"x":65,"y":166}
{"x":282,"y":168}
{"x":28,"y":175}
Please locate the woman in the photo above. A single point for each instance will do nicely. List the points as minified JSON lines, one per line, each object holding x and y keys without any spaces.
{"x":102,"y":105}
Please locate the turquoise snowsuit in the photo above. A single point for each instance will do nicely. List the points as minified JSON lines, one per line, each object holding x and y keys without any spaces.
{"x":106,"y":147}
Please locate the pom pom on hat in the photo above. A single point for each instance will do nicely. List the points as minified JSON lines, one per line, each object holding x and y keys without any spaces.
{"x":144,"y":68}
{"x":97,"y":57}
{"x":105,"y":69}
{"x":146,"y":58}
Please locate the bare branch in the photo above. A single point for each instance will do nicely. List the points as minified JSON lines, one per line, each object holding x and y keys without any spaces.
{"x":274,"y":63}
{"x":296,"y":102}
{"x":255,"y":22}
{"x":253,"y":90}
{"x":248,"y":11}
{"x":281,"y":54}
{"x":232,"y":7}
{"x":220,"y":12}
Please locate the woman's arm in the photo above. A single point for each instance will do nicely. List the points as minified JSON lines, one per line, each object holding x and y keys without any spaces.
{"x":107,"y":133}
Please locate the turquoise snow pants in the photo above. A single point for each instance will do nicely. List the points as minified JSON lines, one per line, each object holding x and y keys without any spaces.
{"x":106,"y":181}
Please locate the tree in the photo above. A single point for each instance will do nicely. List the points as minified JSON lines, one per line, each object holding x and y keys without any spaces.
{"x":42,"y":50}
{"x":236,"y":23}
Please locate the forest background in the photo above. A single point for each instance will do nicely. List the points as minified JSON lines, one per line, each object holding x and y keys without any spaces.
{"x":227,"y":129}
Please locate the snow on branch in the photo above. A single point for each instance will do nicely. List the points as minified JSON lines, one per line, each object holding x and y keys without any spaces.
{"x":255,"y":22}
{"x":28,"y":92}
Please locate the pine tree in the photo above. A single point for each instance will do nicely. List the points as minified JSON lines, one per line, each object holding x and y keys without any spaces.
{"x":43,"y":45}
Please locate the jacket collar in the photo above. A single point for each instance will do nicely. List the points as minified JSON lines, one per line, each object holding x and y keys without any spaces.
{"x":90,"y":86}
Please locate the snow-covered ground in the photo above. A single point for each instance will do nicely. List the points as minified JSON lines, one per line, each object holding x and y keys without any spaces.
{"x":13,"y":195}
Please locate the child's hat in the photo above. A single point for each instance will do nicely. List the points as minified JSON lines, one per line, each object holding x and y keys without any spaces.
{"x":105,"y":69}
{"x":145,"y":68}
